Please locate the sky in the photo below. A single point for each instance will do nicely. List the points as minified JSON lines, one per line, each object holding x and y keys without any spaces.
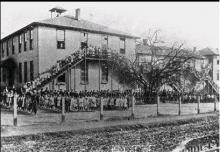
{"x":196,"y":24}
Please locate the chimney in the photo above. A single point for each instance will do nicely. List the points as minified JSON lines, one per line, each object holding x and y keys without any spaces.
{"x":77,"y":14}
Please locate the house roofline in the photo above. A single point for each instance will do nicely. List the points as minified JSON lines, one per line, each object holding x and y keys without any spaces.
{"x":65,"y":27}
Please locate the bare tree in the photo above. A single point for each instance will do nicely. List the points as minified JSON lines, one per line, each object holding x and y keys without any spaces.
{"x":166,"y":66}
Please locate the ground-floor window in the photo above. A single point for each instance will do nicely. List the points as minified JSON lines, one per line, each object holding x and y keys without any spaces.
{"x":104,"y":68}
{"x":31,"y":70}
{"x":218,"y":75}
{"x":84,"y":73}
{"x":25,"y":72}
{"x":20,"y":72}
{"x":4,"y":75}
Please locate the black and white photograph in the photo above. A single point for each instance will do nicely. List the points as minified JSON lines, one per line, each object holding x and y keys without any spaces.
{"x":109,"y":76}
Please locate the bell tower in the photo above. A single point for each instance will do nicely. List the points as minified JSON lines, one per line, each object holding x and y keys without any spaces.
{"x":56,"y":11}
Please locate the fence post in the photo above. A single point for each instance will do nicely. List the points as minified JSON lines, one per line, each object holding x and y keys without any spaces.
{"x":15,"y":111}
{"x":158,"y":102}
{"x":133,"y":108}
{"x":179,"y":112}
{"x":63,"y":111}
{"x":215,"y":100}
{"x":101,"y":108}
{"x":198,"y":107}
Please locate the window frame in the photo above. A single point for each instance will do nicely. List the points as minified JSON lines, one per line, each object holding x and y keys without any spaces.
{"x":4,"y":75}
{"x":84,"y":74}
{"x":12,"y":46}
{"x":31,"y":32}
{"x":122,"y":50}
{"x":7,"y":48}
{"x":31,"y":70}
{"x":104,"y":74}
{"x":25,"y":41}
{"x":218,"y":75}
{"x":20,"y":72}
{"x":19,"y":43}
{"x":25,"y":72}
{"x":61,"y":42}
{"x":3,"y":50}
{"x":105,"y":39}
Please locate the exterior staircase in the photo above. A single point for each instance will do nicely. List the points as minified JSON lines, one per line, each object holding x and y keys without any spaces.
{"x":195,"y":76}
{"x":54,"y":74}
{"x":110,"y":57}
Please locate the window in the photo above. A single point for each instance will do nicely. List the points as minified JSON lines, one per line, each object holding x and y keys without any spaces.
{"x":31,"y":70}
{"x":7,"y":48}
{"x":84,"y":73}
{"x":31,"y":39}
{"x":4,"y":75}
{"x":104,"y":68}
{"x":122,"y":45}
{"x":218,"y":75}
{"x":13,"y":47}
{"x":83,"y":45}
{"x":60,"y":39}
{"x":25,"y":41}
{"x":20,"y":72}
{"x":105,"y":42}
{"x":217,"y":61}
{"x":19,"y":43}
{"x":25,"y":72}
{"x":3,"y":51}
{"x":84,"y":41}
{"x":85,"y":37}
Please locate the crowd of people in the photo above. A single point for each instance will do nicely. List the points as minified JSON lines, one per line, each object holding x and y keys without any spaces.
{"x":167,"y":96}
{"x":73,"y":101}
{"x":31,"y":100}
{"x":25,"y":101}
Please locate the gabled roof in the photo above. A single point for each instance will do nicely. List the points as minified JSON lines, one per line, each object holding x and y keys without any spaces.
{"x":69,"y":22}
{"x":208,"y":52}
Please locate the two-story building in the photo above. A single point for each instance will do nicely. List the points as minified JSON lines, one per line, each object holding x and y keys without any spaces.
{"x":39,"y":45}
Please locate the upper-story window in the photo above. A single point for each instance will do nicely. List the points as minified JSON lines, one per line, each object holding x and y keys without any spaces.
{"x":13,"y":46}
{"x":25,"y":41}
{"x":122,"y":45}
{"x":104,"y":73}
{"x":84,"y":41}
{"x":105,"y":42}
{"x":31,"y":40}
{"x":7,"y":48}
{"x":84,"y":73}
{"x":3,"y":51}
{"x":19,"y":43}
{"x":61,"y":39}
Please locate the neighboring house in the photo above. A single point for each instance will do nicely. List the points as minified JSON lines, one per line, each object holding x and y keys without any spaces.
{"x":212,"y":58}
{"x":144,"y":55}
{"x":39,"y":45}
{"x":206,"y":61}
